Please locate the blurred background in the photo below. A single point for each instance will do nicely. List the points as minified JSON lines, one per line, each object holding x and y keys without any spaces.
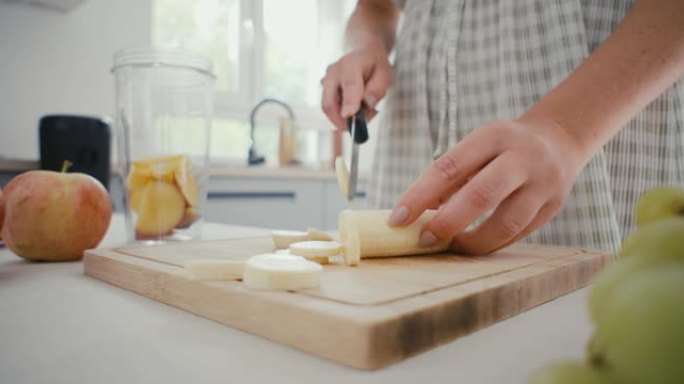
{"x":56,"y":56}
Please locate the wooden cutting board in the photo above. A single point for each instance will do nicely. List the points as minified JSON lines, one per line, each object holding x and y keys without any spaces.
{"x":367,"y":316}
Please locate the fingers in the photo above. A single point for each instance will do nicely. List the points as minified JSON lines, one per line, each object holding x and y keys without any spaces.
{"x":377,"y":85}
{"x":545,"y":214}
{"x":542,"y":216}
{"x":447,"y":173}
{"x":492,"y":185}
{"x":370,"y":114}
{"x":512,"y":218}
{"x":515,"y":169}
{"x":330,"y":102}
{"x":356,"y":78}
{"x":352,"y":85}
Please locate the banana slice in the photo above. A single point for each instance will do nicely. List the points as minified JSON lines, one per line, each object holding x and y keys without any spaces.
{"x":316,"y":259}
{"x":342,"y":177}
{"x":283,"y":238}
{"x":212,"y":269}
{"x":323,"y":260}
{"x":281,"y":272}
{"x":317,"y":234}
{"x":315,"y":248}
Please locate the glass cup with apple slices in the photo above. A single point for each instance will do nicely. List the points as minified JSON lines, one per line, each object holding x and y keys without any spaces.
{"x":164,"y":110}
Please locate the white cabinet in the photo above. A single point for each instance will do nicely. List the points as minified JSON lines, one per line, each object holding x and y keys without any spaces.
{"x":57,"y":5}
{"x":264,"y":201}
{"x":334,"y":202}
{"x":267,"y":203}
{"x":281,"y":203}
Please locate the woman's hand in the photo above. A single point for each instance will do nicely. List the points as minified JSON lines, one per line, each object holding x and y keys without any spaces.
{"x":364,"y":74}
{"x":523,"y":170}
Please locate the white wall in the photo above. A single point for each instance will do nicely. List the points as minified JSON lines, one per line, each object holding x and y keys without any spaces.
{"x":53,"y":62}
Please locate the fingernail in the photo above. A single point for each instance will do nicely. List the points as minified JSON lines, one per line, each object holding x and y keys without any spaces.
{"x":347,"y":111}
{"x":427,"y":239}
{"x":371,"y":101}
{"x":398,"y":216}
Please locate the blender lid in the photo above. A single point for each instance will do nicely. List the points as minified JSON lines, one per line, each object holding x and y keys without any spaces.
{"x":163,"y":57}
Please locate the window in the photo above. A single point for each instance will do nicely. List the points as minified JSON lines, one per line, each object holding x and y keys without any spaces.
{"x":260,"y":48}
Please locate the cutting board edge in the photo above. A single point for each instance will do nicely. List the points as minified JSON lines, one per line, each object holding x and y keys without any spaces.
{"x":405,"y":328}
{"x":371,"y":330}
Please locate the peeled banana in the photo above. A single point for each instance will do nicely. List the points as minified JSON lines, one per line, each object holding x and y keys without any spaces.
{"x":365,"y":233}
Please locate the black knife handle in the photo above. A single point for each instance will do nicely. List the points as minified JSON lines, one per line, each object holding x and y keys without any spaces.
{"x":361,"y":132}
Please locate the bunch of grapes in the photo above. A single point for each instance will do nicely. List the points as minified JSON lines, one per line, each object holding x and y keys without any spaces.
{"x":637,"y":305}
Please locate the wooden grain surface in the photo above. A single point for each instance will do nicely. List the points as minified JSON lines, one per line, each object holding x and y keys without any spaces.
{"x":367,"y":316}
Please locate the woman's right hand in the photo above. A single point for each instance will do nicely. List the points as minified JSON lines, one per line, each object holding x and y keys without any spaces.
{"x":362,"y":75}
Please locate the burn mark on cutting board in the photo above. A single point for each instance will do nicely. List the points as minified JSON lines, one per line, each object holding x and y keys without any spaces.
{"x":418,"y":331}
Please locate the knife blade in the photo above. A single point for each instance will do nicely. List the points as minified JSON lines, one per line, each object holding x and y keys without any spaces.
{"x":359,"y":135}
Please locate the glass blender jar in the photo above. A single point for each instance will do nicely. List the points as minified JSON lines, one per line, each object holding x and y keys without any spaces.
{"x":164,"y":101}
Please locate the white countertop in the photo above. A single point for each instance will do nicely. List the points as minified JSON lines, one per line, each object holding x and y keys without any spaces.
{"x":60,"y":326}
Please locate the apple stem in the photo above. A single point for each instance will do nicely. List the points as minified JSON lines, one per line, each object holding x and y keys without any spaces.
{"x":66,"y":165}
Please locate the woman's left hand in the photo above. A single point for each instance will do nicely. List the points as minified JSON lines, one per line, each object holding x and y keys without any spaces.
{"x":523,"y":169}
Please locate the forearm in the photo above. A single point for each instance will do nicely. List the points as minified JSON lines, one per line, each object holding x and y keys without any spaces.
{"x":643,"y":57}
{"x":373,"y":22}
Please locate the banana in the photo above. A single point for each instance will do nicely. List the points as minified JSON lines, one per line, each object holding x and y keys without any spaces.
{"x":283,"y":238}
{"x":342,"y":174}
{"x":316,"y":259}
{"x":365,"y":233}
{"x":315,"y":248}
{"x":317,"y":234}
{"x":281,"y":272}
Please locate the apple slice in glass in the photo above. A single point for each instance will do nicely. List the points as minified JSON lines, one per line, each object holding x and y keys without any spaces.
{"x":161,"y":208}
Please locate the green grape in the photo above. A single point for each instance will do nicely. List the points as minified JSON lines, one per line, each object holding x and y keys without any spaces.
{"x":608,"y":279}
{"x":655,"y":244}
{"x":641,"y":328}
{"x":659,"y":241}
{"x":658,"y":203}
{"x":595,"y":352}
{"x":566,"y":372}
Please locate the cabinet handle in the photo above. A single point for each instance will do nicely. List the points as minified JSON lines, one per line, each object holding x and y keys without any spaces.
{"x":252,"y":195}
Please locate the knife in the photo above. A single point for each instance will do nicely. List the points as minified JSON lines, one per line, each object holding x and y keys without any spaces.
{"x":359,"y":135}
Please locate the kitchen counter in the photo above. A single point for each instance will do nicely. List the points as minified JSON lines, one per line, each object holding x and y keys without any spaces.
{"x":216,"y":170}
{"x":60,"y":326}
{"x":17,"y":165}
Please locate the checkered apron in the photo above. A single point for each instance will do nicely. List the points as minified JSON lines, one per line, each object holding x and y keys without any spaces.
{"x":459,"y":64}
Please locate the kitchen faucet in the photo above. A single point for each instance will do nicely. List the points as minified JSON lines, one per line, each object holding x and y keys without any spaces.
{"x":254,"y":158}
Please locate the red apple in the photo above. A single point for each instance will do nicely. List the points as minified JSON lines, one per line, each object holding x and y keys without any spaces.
{"x":54,"y":216}
{"x":2,"y":212}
